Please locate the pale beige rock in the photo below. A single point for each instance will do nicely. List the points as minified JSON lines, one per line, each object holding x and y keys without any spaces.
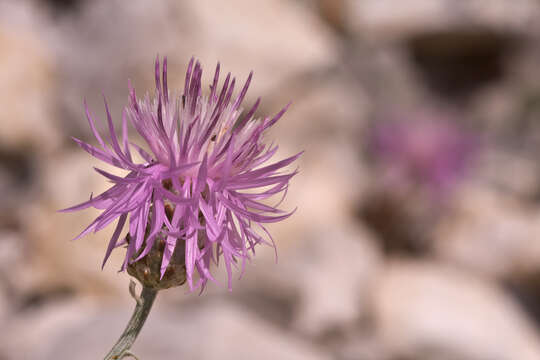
{"x":206,"y":331}
{"x":6,"y":301}
{"x":326,"y":122}
{"x":335,"y":270}
{"x":321,"y":281}
{"x":329,"y":107}
{"x":27,"y":82}
{"x":320,"y":190}
{"x":490,"y":232}
{"x":12,"y":263}
{"x":320,"y":249}
{"x":223,"y":324}
{"x":11,"y":251}
{"x":56,"y":260}
{"x":29,"y":335}
{"x":425,"y":311}
{"x":277,"y":39}
{"x":495,"y":104}
{"x":519,"y":180}
{"x":394,"y":20}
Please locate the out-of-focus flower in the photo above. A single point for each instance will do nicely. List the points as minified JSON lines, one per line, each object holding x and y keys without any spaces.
{"x":420,"y":159}
{"x":427,"y":150}
{"x":201,"y":186}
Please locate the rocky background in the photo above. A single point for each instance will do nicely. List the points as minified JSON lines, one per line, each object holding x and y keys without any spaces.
{"x":418,"y":222}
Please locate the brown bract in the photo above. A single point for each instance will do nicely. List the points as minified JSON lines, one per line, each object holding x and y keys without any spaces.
{"x":147,"y":269}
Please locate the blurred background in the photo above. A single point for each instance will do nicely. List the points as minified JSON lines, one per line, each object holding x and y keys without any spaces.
{"x":418,"y":222}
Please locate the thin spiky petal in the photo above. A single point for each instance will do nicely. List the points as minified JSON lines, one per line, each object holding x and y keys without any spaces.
{"x":202,"y":184}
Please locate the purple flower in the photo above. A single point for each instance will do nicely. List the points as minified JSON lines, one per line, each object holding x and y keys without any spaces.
{"x":202,"y":182}
{"x":428,"y":149}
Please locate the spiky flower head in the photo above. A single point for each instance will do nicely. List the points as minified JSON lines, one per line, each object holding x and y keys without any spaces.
{"x":199,"y":194}
{"x":428,"y":149}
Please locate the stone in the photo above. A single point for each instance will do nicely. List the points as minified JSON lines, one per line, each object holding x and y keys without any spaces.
{"x":101,"y":52}
{"x":423,"y":310}
{"x":387,"y":19}
{"x":205,"y":331}
{"x":321,"y":282}
{"x":336,"y":270}
{"x":12,"y":263}
{"x":28,"y":334}
{"x":326,"y":109}
{"x":6,"y":305}
{"x":321,"y":171}
{"x":490,"y":232}
{"x":245,"y":43}
{"x":27,"y":83}
{"x":69,"y":179}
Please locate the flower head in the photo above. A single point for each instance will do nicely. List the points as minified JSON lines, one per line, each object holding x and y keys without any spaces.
{"x":429,"y":150}
{"x":201,"y":185}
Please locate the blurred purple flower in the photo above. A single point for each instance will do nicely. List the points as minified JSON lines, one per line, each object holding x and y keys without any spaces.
{"x":202,"y":182}
{"x":429,"y":150}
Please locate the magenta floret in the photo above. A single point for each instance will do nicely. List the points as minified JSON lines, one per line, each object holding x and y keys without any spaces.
{"x":205,"y":162}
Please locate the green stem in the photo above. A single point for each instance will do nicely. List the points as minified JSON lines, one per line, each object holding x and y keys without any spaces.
{"x":134,"y":326}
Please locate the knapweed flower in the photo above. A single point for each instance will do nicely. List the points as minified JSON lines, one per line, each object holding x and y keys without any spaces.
{"x":202,"y":183}
{"x":429,"y":149}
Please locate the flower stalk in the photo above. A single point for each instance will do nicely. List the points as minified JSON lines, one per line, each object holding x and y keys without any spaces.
{"x":195,"y":192}
{"x":144,"y":303}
